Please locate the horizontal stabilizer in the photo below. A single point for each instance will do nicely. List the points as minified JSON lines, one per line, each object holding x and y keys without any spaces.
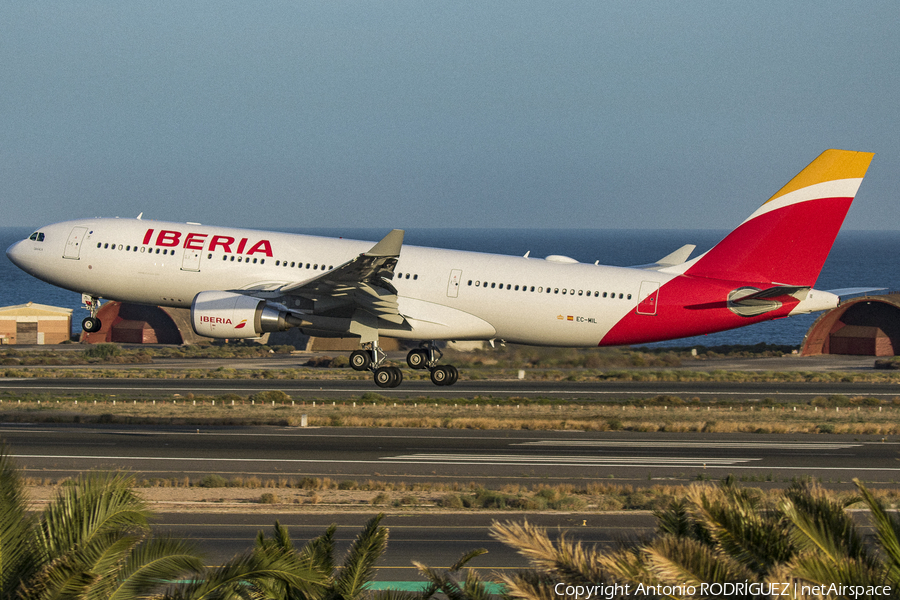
{"x":844,"y":292}
{"x":780,"y":291}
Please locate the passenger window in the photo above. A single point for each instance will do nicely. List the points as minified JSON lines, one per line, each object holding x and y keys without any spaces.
{"x":629,"y":296}
{"x":415,"y":277}
{"x":555,"y":290}
{"x":581,"y":293}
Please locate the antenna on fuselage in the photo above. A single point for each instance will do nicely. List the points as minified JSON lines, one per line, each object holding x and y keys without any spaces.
{"x":140,"y":215}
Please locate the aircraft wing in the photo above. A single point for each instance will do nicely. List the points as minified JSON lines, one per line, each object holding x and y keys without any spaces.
{"x":363,"y":283}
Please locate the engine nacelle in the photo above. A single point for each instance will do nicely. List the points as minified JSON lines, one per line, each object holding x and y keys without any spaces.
{"x":228,"y":315}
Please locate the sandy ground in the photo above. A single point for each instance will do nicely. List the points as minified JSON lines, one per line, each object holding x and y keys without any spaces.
{"x":213,"y":500}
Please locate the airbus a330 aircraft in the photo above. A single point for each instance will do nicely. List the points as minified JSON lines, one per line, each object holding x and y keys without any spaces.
{"x":242,"y":283}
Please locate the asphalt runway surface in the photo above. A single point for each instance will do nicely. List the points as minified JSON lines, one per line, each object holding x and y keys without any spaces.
{"x":411,"y":455}
{"x":435,"y":540}
{"x":341,"y":390}
{"x":489,"y":458}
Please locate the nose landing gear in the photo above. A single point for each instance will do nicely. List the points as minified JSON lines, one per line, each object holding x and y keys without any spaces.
{"x":92,"y":323}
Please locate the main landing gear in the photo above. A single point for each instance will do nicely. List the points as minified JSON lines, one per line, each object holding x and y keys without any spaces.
{"x":371,"y":357}
{"x":92,"y":323}
{"x":427,"y":357}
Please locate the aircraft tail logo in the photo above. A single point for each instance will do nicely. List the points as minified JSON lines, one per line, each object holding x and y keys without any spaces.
{"x":788,"y":238}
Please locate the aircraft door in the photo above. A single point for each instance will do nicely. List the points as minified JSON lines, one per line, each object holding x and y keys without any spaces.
{"x":453,"y":284}
{"x":191,"y":260}
{"x":73,"y":244}
{"x":648,"y":298}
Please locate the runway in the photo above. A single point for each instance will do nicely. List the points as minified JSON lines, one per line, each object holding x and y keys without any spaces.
{"x":336,"y":390}
{"x":440,"y":455}
{"x":485,"y":458}
{"x":435,"y":540}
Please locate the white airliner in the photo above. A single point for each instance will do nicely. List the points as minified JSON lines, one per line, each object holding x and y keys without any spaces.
{"x":242,"y":283}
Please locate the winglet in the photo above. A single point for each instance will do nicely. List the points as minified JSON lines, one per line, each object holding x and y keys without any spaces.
{"x":389,"y":245}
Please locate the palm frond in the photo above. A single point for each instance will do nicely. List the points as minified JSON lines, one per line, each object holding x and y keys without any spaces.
{"x":255,"y":575}
{"x":17,"y":561}
{"x":563,"y":560}
{"x":822,"y":522}
{"x":530,"y":585}
{"x":358,"y":567}
{"x":740,"y":527}
{"x":96,"y":504}
{"x":320,"y":550}
{"x":887,"y":530}
{"x":685,"y":561}
{"x":153,"y":565}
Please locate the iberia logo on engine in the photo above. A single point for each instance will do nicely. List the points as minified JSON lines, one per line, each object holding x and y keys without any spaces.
{"x":219,"y":320}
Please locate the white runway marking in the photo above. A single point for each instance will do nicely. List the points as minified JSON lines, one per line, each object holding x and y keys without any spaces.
{"x":814,"y":446}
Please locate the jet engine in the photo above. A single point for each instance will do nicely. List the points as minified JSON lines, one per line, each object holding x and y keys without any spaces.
{"x":229,"y":315}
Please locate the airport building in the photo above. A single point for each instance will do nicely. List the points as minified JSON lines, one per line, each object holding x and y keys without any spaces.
{"x":35,"y":324}
{"x":868,"y":326}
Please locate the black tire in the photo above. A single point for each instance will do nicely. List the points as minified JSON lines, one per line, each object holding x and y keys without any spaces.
{"x":454,"y":374}
{"x":417,"y":358}
{"x":385,"y":377}
{"x":360,"y":360}
{"x":398,"y":376}
{"x":91,"y":324}
{"x":440,"y":376}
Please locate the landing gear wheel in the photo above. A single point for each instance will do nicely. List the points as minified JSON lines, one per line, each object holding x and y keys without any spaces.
{"x":388,"y":377}
{"x":91,"y":324}
{"x":417,"y":359}
{"x":444,"y":375}
{"x":360,"y":360}
{"x":454,"y":374}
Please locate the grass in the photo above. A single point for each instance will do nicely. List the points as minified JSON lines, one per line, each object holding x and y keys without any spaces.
{"x":590,"y":496}
{"x":832,"y":414}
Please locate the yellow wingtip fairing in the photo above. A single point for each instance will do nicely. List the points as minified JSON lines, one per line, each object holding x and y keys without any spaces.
{"x":831,"y":165}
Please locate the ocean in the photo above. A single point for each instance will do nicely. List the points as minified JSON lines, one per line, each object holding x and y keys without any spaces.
{"x":858,"y":259}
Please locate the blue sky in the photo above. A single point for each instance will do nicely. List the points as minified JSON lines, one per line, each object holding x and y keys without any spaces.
{"x":591,"y":115}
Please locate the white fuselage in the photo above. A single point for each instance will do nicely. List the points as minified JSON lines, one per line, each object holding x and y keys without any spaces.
{"x":445,"y":294}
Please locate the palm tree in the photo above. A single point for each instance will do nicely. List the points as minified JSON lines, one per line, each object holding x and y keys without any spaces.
{"x":721,"y":535}
{"x":92,"y":541}
{"x":276,"y":569}
{"x":16,"y":560}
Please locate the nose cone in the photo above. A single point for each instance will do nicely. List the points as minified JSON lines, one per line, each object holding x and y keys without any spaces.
{"x":22,"y":255}
{"x":15,"y":253}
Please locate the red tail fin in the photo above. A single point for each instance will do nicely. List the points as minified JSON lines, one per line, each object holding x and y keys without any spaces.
{"x":788,"y":239}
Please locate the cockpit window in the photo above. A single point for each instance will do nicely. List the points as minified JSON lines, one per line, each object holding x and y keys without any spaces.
{"x":36,"y":237}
